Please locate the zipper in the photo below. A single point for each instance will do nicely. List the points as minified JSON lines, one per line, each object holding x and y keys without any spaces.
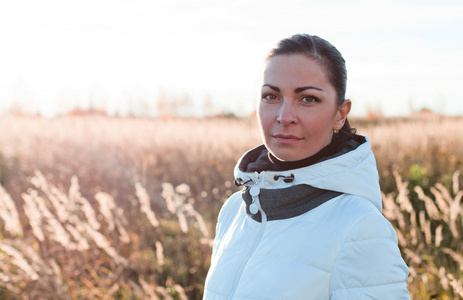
{"x":254,"y":208}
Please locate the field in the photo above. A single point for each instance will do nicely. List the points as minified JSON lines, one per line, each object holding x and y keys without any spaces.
{"x":125,"y":208}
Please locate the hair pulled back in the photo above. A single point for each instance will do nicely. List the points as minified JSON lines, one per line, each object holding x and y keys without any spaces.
{"x":326,"y":55}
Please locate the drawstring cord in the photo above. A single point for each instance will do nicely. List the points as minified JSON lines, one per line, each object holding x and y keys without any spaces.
{"x":286,"y":179}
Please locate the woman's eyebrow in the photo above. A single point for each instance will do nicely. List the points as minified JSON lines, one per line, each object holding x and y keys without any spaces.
{"x":277,"y":89}
{"x":296,"y":90}
{"x":303,"y":88}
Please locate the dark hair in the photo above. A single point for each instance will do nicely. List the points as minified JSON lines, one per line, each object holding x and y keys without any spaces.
{"x":326,"y":55}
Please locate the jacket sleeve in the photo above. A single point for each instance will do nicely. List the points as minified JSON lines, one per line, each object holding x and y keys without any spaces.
{"x":369,"y":264}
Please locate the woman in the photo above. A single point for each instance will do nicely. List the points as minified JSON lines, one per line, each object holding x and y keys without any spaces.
{"x":308,"y":224}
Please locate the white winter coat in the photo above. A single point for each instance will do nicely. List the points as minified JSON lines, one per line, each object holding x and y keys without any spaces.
{"x":341,"y":249}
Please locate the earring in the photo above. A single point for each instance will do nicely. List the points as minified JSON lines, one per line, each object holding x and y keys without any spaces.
{"x":335,"y":130}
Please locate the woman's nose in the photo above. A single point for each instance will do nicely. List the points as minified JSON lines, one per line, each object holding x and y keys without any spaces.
{"x":286,"y":113}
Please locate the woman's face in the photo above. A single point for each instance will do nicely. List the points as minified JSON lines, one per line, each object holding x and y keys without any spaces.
{"x":297,"y":111}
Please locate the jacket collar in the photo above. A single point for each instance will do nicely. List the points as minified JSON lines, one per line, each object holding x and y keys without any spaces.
{"x":288,"y":202}
{"x":353,"y":172}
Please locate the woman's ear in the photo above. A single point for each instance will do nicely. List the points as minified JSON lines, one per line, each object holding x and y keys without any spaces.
{"x":342,"y":113}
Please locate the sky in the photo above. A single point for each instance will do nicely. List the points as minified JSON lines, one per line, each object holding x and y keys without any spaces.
{"x":124,"y":55}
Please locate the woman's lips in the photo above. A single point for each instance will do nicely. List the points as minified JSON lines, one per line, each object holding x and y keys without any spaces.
{"x":287,"y":139}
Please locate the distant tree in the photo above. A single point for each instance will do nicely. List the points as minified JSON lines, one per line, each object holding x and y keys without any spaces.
{"x":209,"y":109}
{"x":170,"y":106}
{"x":374,"y":114}
{"x":78,"y":112}
{"x":163,"y":106}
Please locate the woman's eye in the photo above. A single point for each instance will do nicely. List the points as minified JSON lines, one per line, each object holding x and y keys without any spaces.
{"x":309,"y":99}
{"x":269,"y":97}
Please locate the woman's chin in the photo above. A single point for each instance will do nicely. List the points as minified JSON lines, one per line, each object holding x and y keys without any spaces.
{"x":287,"y":155}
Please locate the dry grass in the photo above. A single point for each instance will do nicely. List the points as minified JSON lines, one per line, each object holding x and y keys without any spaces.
{"x":99,"y":208}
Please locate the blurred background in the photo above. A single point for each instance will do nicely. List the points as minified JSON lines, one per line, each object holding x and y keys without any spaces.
{"x":196,"y":58}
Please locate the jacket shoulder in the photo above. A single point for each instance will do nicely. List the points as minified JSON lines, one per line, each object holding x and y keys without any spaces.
{"x":227,"y":214}
{"x":344,"y":212}
{"x":362,"y":220}
{"x":230,"y":207}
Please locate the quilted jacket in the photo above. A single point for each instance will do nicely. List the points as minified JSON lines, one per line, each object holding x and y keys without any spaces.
{"x":315,"y":232}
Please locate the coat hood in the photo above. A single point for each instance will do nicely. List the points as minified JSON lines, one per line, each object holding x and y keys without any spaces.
{"x":352,"y":173}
